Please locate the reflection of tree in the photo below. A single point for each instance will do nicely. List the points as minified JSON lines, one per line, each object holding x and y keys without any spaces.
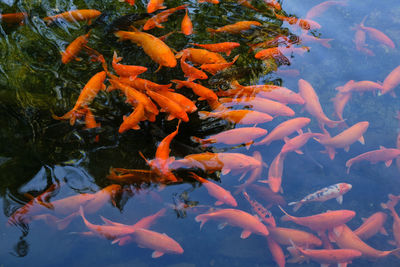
{"x":21,"y":248}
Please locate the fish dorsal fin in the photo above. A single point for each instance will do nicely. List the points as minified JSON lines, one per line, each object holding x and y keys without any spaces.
{"x":245,"y":234}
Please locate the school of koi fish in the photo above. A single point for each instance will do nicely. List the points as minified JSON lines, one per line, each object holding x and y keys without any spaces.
{"x":250,"y":108}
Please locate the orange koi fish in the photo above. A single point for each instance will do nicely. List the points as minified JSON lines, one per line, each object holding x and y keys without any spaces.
{"x":74,"y":48}
{"x":305,"y":24}
{"x":225,"y":47}
{"x":322,"y":221}
{"x":383,"y":154}
{"x":235,"y":28}
{"x":131,"y":2}
{"x":186,"y":25}
{"x":143,"y":84}
{"x":234,"y":217}
{"x":132,"y":121}
{"x":344,"y":139}
{"x":160,"y":243}
{"x":339,"y":102}
{"x":334,"y":191}
{"x":255,"y":174}
{"x":372,"y":225}
{"x":88,"y":93}
{"x":187,"y":104}
{"x":276,"y":252}
{"x":191,"y":72}
{"x":236,"y":136}
{"x":132,"y":176}
{"x":13,"y":18}
{"x":317,"y":10}
{"x":155,"y":5}
{"x":222,"y":195}
{"x":347,"y":239}
{"x":301,"y":238}
{"x":377,"y":35}
{"x":135,"y":97}
{"x":238,"y":116}
{"x":361,"y":86}
{"x":90,"y":121}
{"x":203,"y":92}
{"x":216,"y":67}
{"x":208,"y":1}
{"x":126,"y":70}
{"x":276,"y":41}
{"x":169,"y":106}
{"x":396,"y":219}
{"x":284,"y":129}
{"x":201,"y":56}
{"x":275,"y":172}
{"x":391,"y":81}
{"x":313,"y":106}
{"x":273,"y":53}
{"x":247,"y":4}
{"x":161,"y":17}
{"x":297,"y":142}
{"x":152,"y":46}
{"x":330,"y":256}
{"x":74,"y":15}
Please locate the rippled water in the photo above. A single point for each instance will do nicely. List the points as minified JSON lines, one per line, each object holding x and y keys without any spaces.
{"x":37,"y":151}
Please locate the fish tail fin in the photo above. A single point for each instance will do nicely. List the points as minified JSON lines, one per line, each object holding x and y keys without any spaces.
{"x":72,"y":115}
{"x":203,"y":218}
{"x":394,"y":252}
{"x":348,"y":165}
{"x":198,"y":178}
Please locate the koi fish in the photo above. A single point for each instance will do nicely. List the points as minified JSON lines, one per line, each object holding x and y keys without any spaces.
{"x":339,"y":102}
{"x":131,"y":2}
{"x":186,"y":25}
{"x":215,"y":2}
{"x":143,"y":84}
{"x":334,"y":191}
{"x":372,"y":225}
{"x":322,"y":221}
{"x":377,"y":35}
{"x":235,"y":28}
{"x":273,"y":3}
{"x":155,"y":5}
{"x":126,"y":70}
{"x":169,"y":106}
{"x":237,"y":136}
{"x":201,"y":56}
{"x":359,"y":40}
{"x":264,"y":214}
{"x":88,"y":93}
{"x":191,"y":72}
{"x":216,"y":67}
{"x":161,"y":17}
{"x":301,"y":238}
{"x":284,"y":129}
{"x":344,"y":139}
{"x":273,"y":53}
{"x":307,"y":39}
{"x":234,"y":217}
{"x":382,"y":154}
{"x":347,"y":239}
{"x":317,"y":10}
{"x":90,"y":121}
{"x":361,"y":86}
{"x":266,"y":195}
{"x":275,"y":172}
{"x":222,"y":195}
{"x":313,"y":106}
{"x":74,"y":48}
{"x":187,"y":104}
{"x":391,"y":81}
{"x":305,"y":24}
{"x":13,"y":18}
{"x":152,"y":46}
{"x":238,"y":116}
{"x":276,"y":41}
{"x":225,"y":47}
{"x":132,"y":121}
{"x":132,"y":176}
{"x":329,"y":256}
{"x":203,"y":92}
{"x":276,"y":252}
{"x":297,"y":142}
{"x":396,"y":219}
{"x":255,"y":174}
{"x":74,"y":15}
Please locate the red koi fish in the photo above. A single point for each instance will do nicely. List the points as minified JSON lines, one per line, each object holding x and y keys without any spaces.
{"x":245,"y":135}
{"x":377,"y":35}
{"x":13,"y":18}
{"x":132,"y":121}
{"x":344,"y":139}
{"x":186,"y":25}
{"x":361,"y":86}
{"x":317,"y":10}
{"x":383,"y":154}
{"x":225,"y":47}
{"x":234,"y":217}
{"x":313,"y":105}
{"x":347,"y":239}
{"x":330,"y":256}
{"x":372,"y":225}
{"x":74,"y":48}
{"x":203,"y":92}
{"x":74,"y":15}
{"x":235,"y":28}
{"x":222,"y":195}
{"x":88,"y":93}
{"x":322,"y":221}
{"x":284,"y":129}
{"x":152,"y":46}
{"x":216,"y":67}
{"x":201,"y":56}
{"x":126,"y":70}
{"x":161,"y":17}
{"x":191,"y":72}
{"x":334,"y":191}
{"x":391,"y":81}
{"x":155,"y":5}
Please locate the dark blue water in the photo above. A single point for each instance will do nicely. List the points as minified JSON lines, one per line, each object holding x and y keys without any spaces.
{"x":37,"y":151}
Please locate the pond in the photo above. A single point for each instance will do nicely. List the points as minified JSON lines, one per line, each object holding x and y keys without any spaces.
{"x":62,"y":178}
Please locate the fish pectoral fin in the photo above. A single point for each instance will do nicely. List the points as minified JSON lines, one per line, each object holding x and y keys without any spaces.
{"x":225,"y":171}
{"x":157,"y":254}
{"x":298,"y":151}
{"x":346,"y":148}
{"x":339,"y":199}
{"x":170,"y":117}
{"x":383,"y":231}
{"x":222,"y":225}
{"x":218,"y":203}
{"x":338,"y":230}
{"x":388,"y":163}
{"x":245,"y":234}
{"x":361,"y":140}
